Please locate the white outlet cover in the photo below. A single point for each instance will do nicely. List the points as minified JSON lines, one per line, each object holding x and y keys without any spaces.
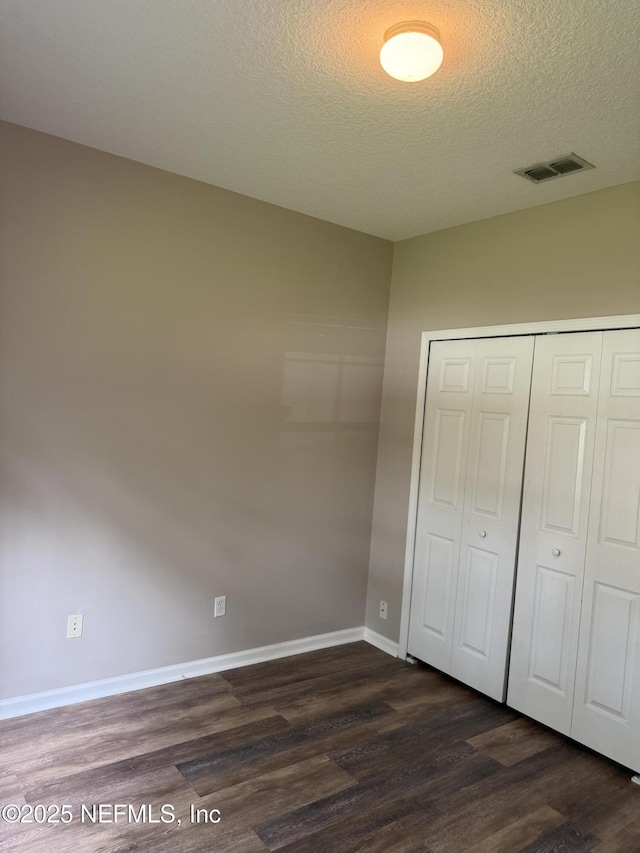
{"x":74,"y":626}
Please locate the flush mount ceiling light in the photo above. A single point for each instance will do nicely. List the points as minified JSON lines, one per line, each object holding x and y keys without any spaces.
{"x":411,"y":51}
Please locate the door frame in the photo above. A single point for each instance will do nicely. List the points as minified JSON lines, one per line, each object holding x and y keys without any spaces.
{"x":547,"y":327}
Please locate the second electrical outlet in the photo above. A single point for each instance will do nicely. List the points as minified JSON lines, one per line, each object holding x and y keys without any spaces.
{"x":220,"y":606}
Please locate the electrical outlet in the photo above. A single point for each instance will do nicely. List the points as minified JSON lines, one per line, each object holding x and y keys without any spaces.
{"x":74,"y":626}
{"x":220,"y":606}
{"x":383,"y":609}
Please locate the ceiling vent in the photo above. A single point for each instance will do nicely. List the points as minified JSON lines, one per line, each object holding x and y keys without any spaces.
{"x":555,"y":168}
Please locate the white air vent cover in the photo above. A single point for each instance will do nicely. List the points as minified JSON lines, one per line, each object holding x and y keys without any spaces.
{"x":555,"y":168}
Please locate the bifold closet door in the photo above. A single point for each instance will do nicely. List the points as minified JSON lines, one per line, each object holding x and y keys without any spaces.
{"x":468,"y":507}
{"x":553,"y":534}
{"x":606,"y":713}
{"x":443,"y":470}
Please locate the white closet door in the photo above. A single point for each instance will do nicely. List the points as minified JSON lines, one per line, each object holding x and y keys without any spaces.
{"x":491,"y":513}
{"x":607,"y":704}
{"x":560,"y":443}
{"x":470,"y":481}
{"x":443,"y":470}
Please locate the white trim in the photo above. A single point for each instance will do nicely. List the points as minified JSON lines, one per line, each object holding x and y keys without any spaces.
{"x":164,"y":675}
{"x":413,"y":497}
{"x":380,"y":642}
{"x":579,"y":324}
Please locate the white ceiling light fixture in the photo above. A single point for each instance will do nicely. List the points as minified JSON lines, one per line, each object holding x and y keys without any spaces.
{"x":411,"y":51}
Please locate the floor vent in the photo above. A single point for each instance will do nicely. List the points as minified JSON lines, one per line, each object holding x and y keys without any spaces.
{"x":556,"y":168}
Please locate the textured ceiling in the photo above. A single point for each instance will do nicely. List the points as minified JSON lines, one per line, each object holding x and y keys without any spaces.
{"x":285,"y":100}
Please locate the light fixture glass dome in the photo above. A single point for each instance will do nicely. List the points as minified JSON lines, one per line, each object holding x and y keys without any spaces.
{"x":411,"y":51}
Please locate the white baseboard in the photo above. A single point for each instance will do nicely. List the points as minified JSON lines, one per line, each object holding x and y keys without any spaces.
{"x":380,"y":642}
{"x":164,"y":675}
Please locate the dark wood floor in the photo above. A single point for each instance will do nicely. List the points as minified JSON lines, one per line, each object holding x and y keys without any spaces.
{"x":343,"y":750}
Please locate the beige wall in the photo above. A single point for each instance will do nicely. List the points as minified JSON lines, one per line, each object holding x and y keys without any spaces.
{"x":189,"y":399}
{"x":573,"y":258}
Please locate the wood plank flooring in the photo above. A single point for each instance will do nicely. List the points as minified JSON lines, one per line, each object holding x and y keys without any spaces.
{"x":342,"y":750}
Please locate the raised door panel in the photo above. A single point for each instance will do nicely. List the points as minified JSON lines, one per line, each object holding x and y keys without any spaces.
{"x":448,"y":455}
{"x":491,"y":513}
{"x":611,"y":656}
{"x":553,"y":536}
{"x":490,"y":469}
{"x":563,"y":475}
{"x":620,"y":499}
{"x":607,"y":694}
{"x":448,"y":406}
{"x":477,"y":602}
{"x":439,"y":575}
